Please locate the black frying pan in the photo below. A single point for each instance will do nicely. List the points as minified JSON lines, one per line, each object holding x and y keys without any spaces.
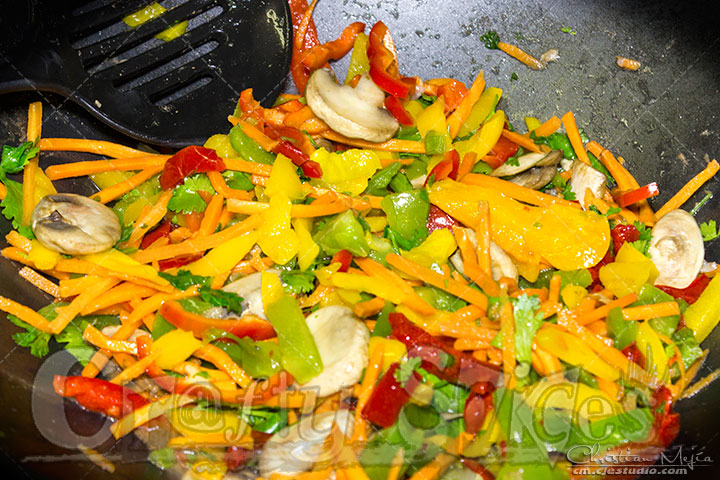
{"x":663,"y":119}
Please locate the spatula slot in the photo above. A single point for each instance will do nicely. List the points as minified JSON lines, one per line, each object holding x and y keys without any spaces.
{"x":168,"y":96}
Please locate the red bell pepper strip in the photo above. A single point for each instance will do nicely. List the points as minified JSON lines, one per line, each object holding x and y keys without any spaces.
{"x":188,"y":161}
{"x":438,"y":219}
{"x":441,"y":359}
{"x":502,"y":150}
{"x":448,"y":168}
{"x":383,"y":63}
{"x":177,"y":262}
{"x":623,"y":233}
{"x":637,"y":195}
{"x":396,"y":109}
{"x":388,"y":398}
{"x":318,"y":56}
{"x":690,"y":293}
{"x":453,"y":92}
{"x":310,"y":168}
{"x":246,"y":326}
{"x":162,"y":231}
{"x":304,"y":38}
{"x":344,"y":258}
{"x":99,"y":395}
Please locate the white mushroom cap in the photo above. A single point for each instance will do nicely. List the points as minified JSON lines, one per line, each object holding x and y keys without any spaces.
{"x":677,"y":249}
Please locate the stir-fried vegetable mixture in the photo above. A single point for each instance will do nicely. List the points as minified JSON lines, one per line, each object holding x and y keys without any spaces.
{"x":382,"y":279}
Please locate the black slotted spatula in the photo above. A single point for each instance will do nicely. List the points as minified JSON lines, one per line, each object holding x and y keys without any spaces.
{"x":171,"y":93}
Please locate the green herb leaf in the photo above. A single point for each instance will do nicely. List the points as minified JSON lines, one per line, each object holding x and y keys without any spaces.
{"x":490,"y":39}
{"x":297,"y":282}
{"x":14,"y":159}
{"x":237,"y":180}
{"x":709,"y":230}
{"x":219,"y":298}
{"x":12,"y":207}
{"x":185,"y":197}
{"x":163,"y":458}
{"x":406,"y":369}
{"x":513,"y":77}
{"x":642,"y":244}
{"x":568,"y":30}
{"x":527,"y":321}
{"x":184,"y":279}
{"x":699,"y":205}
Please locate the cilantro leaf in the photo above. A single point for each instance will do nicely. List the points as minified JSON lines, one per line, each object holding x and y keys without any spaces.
{"x":490,"y":39}
{"x":568,"y":30}
{"x":513,"y":77}
{"x":184,"y":279}
{"x":296,"y":282}
{"x":515,"y":159}
{"x":36,"y":339}
{"x":237,"y":180}
{"x":185,"y":197}
{"x":406,"y":369}
{"x":527,"y":321}
{"x":14,"y":159}
{"x":567,"y":192}
{"x":643,"y":243}
{"x":709,"y":230}
{"x":219,"y":298}
{"x":12,"y":207}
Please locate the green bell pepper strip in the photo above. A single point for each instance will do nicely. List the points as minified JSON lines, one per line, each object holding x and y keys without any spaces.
{"x":300,"y":355}
{"x":622,"y":331}
{"x":435,"y":142}
{"x":407,"y":215}
{"x":377,"y":185}
{"x":258,"y":359}
{"x":649,"y":295}
{"x":400,"y":183}
{"x":359,"y":62}
{"x":688,"y":346}
{"x":343,"y":232}
{"x":247,"y":148}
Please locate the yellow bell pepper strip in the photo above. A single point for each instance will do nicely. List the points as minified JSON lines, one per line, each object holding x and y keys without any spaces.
{"x":147,"y":412}
{"x":308,"y":250}
{"x":284,"y":178}
{"x":271,"y":288}
{"x":649,"y":344}
{"x":347,"y":171}
{"x":565,"y":237}
{"x":481,"y":110}
{"x":458,"y":117}
{"x":436,"y":248}
{"x":222,"y":146}
{"x":42,"y":257}
{"x":485,"y":139}
{"x":117,"y":261}
{"x":225,"y":256}
{"x":703,"y":315}
{"x":393,"y":350}
{"x":629,"y":272}
{"x":175,"y":347}
{"x":190,"y":422}
{"x":572,"y":350}
{"x":363,"y":283}
{"x":300,"y":356}
{"x":275,"y":236}
{"x":432,"y":126}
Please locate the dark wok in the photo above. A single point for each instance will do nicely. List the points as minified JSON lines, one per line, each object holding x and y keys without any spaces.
{"x":662,"y":119}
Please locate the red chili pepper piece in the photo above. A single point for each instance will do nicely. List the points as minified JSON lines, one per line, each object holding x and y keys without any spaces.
{"x":188,"y":161}
{"x":448,"y":168}
{"x":319,"y":55}
{"x":309,"y":167}
{"x":633,"y":353}
{"x":246,"y":326}
{"x":690,"y":293}
{"x":499,"y":154}
{"x":396,"y":109}
{"x":178,"y":262}
{"x":637,"y":195}
{"x":236,"y":456}
{"x":595,"y":269}
{"x":383,"y":65}
{"x":99,"y":395}
{"x":453,"y":92}
{"x":441,"y":359}
{"x":162,"y":231}
{"x":344,"y":258}
{"x":438,"y":219}
{"x":667,"y":424}
{"x":623,"y":233}
{"x":388,"y":398}
{"x":476,"y":408}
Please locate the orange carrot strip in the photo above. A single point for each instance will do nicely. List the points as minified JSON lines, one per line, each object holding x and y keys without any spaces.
{"x":599,"y":327}
{"x":369,"y":308}
{"x":396,"y":465}
{"x":79,"y":169}
{"x":265,"y":142}
{"x":248,"y":167}
{"x":602,"y":312}
{"x":296,"y":119}
{"x":144,"y":414}
{"x":689,"y":188}
{"x":74,"y":265}
{"x":119,"y":189}
{"x":554,"y":291}
{"x":466,"y":165}
{"x":550,"y":126}
{"x":34,"y":125}
{"x":550,"y":362}
{"x":482,"y":234}
{"x":100,"y":340}
{"x":372,"y":373}
{"x":150,"y":304}
{"x":655,"y":310}
{"x":442,"y":282}
{"x":517,"y":192}
{"x":218,"y":183}
{"x":573,"y":134}
{"x":522,"y":140}
{"x":28,"y":190}
{"x":211,"y":216}
{"x":68,"y":312}
{"x":3,"y":191}
{"x":627,"y":63}
{"x":100,"y":358}
{"x":119,"y":294}
{"x":18,"y":241}
{"x":197,"y":245}
{"x":408,"y":146}
{"x":622,"y":177}
{"x":507,"y":326}
{"x":467,"y":252}
{"x":39,"y":281}
{"x":99,"y":147}
{"x":297,"y":211}
{"x":134,"y":369}
{"x":462,"y":112}
{"x":612,"y":389}
{"x":27,"y":315}
{"x":611,"y":355}
{"x":521,"y":55}
{"x":146,"y":222}
{"x":216,"y":356}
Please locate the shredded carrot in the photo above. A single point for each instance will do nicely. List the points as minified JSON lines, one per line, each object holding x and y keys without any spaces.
{"x":120,"y":294}
{"x":151,"y":304}
{"x":599,"y":327}
{"x":369,"y":308}
{"x":483,"y":233}
{"x":522,"y":140}
{"x":602,"y":312}
{"x":3,"y":191}
{"x":216,"y":356}
{"x":550,"y":126}
{"x":471,"y":267}
{"x":147,"y":412}
{"x":241,"y":165}
{"x":211,"y":216}
{"x":218,"y":183}
{"x":77,"y":266}
{"x":27,"y":315}
{"x":517,"y":192}
{"x":394,"y":145}
{"x":437,"y":280}
{"x":458,"y":117}
{"x":265,"y":142}
{"x":655,"y":310}
{"x":135,"y":369}
{"x":612,"y":389}
{"x":100,"y":358}
{"x":198,"y":245}
{"x":102,"y":341}
{"x":627,"y":63}
{"x":119,"y":189}
{"x":39,"y":281}
{"x":68,"y":312}
{"x":146,"y":222}
{"x":507,"y":326}
{"x":396,"y":465}
{"x":573,"y":134}
{"x":79,"y":169}
{"x":521,"y":55}
{"x":372,"y":373}
{"x":28,"y":190}
{"x":550,"y":362}
{"x":689,"y":188}
{"x":608,"y":353}
{"x":466,"y":164}
{"x":18,"y":241}
{"x":554,"y":291}
{"x":100,"y":147}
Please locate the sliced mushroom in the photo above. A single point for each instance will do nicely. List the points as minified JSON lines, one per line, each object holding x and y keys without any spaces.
{"x":249,"y":289}
{"x":75,"y":225}
{"x":583,"y":177}
{"x":501,"y":264}
{"x":677,"y":249}
{"x":342,"y":340}
{"x":354,"y":112}
{"x":527,"y":161}
{"x":535,"y":178}
{"x":295,"y":449}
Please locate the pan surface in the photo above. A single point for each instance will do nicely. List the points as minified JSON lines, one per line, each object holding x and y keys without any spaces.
{"x":662,"y":119}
